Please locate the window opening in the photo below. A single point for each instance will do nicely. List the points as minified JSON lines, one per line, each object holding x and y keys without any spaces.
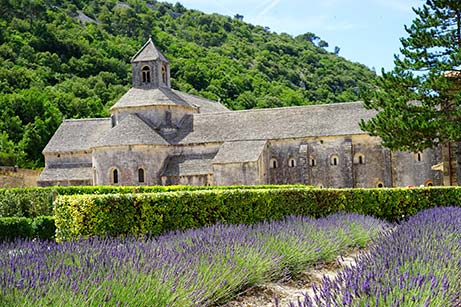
{"x":141,"y":175}
{"x":334,"y":160}
{"x":145,"y":74}
{"x":292,"y":162}
{"x":380,"y":185}
{"x":164,"y":74}
{"x":115,"y":176}
{"x":273,"y":163}
{"x":313,"y":162}
{"x":428,"y":183}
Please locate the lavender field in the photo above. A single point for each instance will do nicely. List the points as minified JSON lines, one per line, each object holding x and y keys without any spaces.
{"x":417,"y":264}
{"x":193,"y":268}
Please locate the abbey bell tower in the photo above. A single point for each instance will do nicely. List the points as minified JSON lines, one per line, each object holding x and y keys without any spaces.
{"x":151,"y":69}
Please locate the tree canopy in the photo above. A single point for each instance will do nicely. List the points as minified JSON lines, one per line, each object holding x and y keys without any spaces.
{"x":419,"y":101}
{"x":70,"y":59}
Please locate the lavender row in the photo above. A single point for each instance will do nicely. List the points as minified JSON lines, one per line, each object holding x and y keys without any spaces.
{"x":417,"y":264}
{"x":193,"y":268}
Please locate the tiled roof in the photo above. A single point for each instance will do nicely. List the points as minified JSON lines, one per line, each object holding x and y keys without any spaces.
{"x":64,"y":174}
{"x":148,"y":52}
{"x":278,"y":123}
{"x":131,"y":131}
{"x":189,"y":165}
{"x":77,"y":135}
{"x":205,"y":105}
{"x":239,"y":152}
{"x":138,"y":97}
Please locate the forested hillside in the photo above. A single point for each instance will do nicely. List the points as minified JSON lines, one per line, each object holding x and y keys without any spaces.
{"x":70,"y":59}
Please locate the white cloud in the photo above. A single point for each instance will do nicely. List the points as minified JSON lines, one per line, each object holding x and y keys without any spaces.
{"x":268,"y":7}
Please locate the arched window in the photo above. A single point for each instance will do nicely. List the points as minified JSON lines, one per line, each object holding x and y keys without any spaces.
{"x":291,"y":162}
{"x":141,"y":175}
{"x":334,"y":160}
{"x":164,"y":76}
{"x":428,"y":183}
{"x":115,"y":176}
{"x":312,"y":161}
{"x":145,"y":74}
{"x":419,"y":156}
{"x":273,"y":163}
{"x":359,"y":158}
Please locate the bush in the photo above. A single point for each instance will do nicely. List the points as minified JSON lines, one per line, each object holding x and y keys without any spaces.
{"x":14,"y":227}
{"x":155,"y":213}
{"x":42,"y":227}
{"x":34,"y":202}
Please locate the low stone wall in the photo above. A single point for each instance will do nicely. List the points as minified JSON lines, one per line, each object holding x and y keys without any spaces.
{"x":14,"y":177}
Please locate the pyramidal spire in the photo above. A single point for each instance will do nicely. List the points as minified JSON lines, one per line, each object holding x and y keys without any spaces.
{"x":149,"y":52}
{"x":151,"y":69}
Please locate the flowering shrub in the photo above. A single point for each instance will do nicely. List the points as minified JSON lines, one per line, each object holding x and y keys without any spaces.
{"x":418,"y":264}
{"x":197,"y":267}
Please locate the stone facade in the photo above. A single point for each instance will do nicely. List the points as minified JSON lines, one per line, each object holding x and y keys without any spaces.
{"x":157,"y":135}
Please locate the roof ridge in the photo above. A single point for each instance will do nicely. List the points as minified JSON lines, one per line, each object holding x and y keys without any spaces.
{"x":169,"y":92}
{"x":149,"y":42}
{"x":85,"y":119}
{"x":283,"y":108}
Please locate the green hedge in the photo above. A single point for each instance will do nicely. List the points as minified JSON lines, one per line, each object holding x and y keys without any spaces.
{"x":155,"y":213}
{"x":33,"y":202}
{"x":42,"y":227}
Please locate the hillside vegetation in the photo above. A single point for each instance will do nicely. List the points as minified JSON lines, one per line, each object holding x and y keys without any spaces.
{"x":70,"y":59}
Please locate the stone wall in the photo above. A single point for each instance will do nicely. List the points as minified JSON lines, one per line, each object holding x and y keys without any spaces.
{"x":14,"y":177}
{"x":246,"y":173}
{"x":356,"y":161}
{"x":128,"y":160}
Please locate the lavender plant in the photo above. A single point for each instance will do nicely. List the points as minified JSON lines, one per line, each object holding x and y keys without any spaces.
{"x":192,"y":268}
{"x":418,"y":264}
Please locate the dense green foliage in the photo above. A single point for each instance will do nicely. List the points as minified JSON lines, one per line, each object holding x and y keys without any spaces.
{"x":33,"y":202}
{"x":69,"y":59}
{"x":155,"y":213}
{"x":419,"y":102}
{"x":12,"y":228}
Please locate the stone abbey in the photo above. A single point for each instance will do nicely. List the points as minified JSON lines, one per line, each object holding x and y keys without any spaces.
{"x":160,"y":136}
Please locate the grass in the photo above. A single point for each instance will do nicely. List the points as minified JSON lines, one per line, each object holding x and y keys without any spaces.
{"x":198,"y":267}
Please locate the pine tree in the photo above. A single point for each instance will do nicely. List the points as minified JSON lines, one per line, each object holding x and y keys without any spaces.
{"x":419,"y":101}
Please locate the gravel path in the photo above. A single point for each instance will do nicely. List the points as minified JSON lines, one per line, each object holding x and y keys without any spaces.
{"x":263,"y":296}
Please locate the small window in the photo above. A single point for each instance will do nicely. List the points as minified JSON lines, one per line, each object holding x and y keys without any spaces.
{"x":115,"y":176}
{"x":273,"y":163}
{"x":291,"y":162}
{"x":312,"y":161}
{"x":334,"y":160}
{"x":141,"y":175}
{"x":419,"y":156}
{"x":145,"y":74}
{"x":428,"y":183}
{"x":359,"y":158}
{"x":164,"y":76}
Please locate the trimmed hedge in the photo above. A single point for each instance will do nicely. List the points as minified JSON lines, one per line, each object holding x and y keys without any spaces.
{"x":33,"y":202}
{"x":155,"y":213}
{"x":42,"y":227}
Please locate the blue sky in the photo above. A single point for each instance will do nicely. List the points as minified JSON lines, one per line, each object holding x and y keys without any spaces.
{"x":367,"y":31}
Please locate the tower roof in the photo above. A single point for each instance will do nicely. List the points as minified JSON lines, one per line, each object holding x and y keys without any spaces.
{"x":149,"y":52}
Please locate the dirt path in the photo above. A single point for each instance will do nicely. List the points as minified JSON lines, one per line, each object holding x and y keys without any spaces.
{"x":263,"y":296}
